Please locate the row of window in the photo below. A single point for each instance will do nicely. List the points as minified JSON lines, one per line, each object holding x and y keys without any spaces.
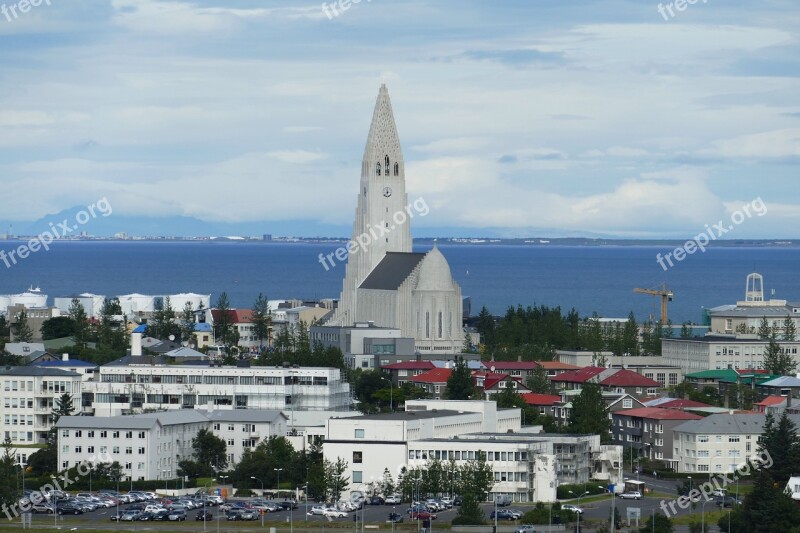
{"x":246,"y":428}
{"x":717,"y":438}
{"x":707,"y":453}
{"x":18,"y":436}
{"x":17,"y":420}
{"x":216,"y":380}
{"x":18,"y":403}
{"x":78,"y":433}
{"x":15,"y":385}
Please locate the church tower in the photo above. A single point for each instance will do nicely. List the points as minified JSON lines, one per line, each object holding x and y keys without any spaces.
{"x":381,"y":222}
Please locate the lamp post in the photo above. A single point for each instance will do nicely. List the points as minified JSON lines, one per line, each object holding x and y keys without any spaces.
{"x":278,"y":470}
{"x":262,"y":495}
{"x":703,"y":523}
{"x":391,"y":393}
{"x":23,"y":466}
{"x":165,"y":472}
{"x":305,"y":490}
{"x":204,"y":502}
{"x":579,"y":503}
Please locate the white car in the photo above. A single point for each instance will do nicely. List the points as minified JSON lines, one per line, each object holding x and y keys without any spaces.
{"x":632,"y":495}
{"x":394,"y":499}
{"x":317,"y":510}
{"x":525,"y":529}
{"x":334,"y":513}
{"x":573,"y":508}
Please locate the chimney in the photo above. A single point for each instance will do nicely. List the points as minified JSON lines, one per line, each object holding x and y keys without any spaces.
{"x":136,"y":344}
{"x":65,"y":357}
{"x":519,"y":359}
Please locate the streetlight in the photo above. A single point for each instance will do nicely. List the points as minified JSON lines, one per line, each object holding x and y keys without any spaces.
{"x":262,"y":495}
{"x":305,"y":490}
{"x":205,"y":499}
{"x":23,"y":466}
{"x":165,"y":472}
{"x":703,"y":507}
{"x":579,"y":503}
{"x":278,"y":470}
{"x":391,"y":393}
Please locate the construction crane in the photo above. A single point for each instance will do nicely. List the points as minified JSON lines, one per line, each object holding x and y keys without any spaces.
{"x":666,"y":296}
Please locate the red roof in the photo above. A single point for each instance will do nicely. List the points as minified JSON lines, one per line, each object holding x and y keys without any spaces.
{"x":531,"y":398}
{"x":579,"y":376}
{"x":681,"y":404}
{"x":628,"y":378}
{"x":237,"y":316}
{"x":657,"y":413}
{"x":771,"y":400}
{"x":436,"y":375}
{"x":410,"y":365}
{"x":492,"y":379}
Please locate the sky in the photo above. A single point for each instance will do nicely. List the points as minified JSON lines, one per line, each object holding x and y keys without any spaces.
{"x":516,"y":118}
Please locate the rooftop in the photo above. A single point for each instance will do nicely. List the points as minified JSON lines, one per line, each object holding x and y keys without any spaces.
{"x":657,"y":413}
{"x":410,"y":415}
{"x":392,"y":271}
{"x":36,"y":371}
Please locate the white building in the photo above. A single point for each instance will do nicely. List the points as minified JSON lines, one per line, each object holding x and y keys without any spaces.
{"x":527,"y":466}
{"x":362,"y":342}
{"x":720,"y":351}
{"x":718,"y":443}
{"x":385,"y":281}
{"x":33,"y":297}
{"x":92,"y":303}
{"x":130,"y":388}
{"x":243,"y":429}
{"x":28,"y":396}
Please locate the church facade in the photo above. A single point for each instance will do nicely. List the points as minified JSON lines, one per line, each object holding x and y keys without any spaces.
{"x":385,"y":281}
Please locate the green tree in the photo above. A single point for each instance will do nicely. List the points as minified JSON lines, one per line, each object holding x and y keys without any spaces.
{"x":81,"y":322}
{"x":538,"y":381}
{"x":789,"y":329}
{"x":58,"y":327}
{"x":662,"y":524}
{"x":112,"y":333}
{"x":21,"y":329}
{"x":335,"y":480}
{"x":630,"y":336}
{"x":781,"y":442}
{"x":223,"y":325}
{"x":262,"y":320}
{"x":460,"y":385}
{"x":669,"y":329}
{"x":776,"y":359}
{"x":589,"y":413}
{"x":686,"y":330}
{"x":766,"y":509}
{"x":187,"y":322}
{"x":210,"y":451}
{"x":508,"y":397}
{"x":764,"y":329}
{"x":486,"y":325}
{"x":8,"y":476}
{"x":470,"y":512}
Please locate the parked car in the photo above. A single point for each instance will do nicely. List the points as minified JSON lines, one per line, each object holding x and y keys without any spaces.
{"x":116,"y":517}
{"x":631,"y":495}
{"x":70,"y":508}
{"x":177,"y":515}
{"x":204,"y":516}
{"x":503,"y":501}
{"x":394,"y":499}
{"x":515,"y":513}
{"x":525,"y":529}
{"x":395,"y":518}
{"x":572,"y":508}
{"x":728,"y":501}
{"x":376,"y":500}
{"x":502,"y":515}
{"x":233,"y":514}
{"x":42,"y":508}
{"x":249,"y":514}
{"x":130,"y":516}
{"x":333,"y":513}
{"x":423,"y":515}
{"x":288,"y":504}
{"x":448,"y":502}
{"x":457,"y":500}
{"x":317,"y":510}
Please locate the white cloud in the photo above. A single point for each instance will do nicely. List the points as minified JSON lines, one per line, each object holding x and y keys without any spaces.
{"x":769,"y":144}
{"x":297,"y":157}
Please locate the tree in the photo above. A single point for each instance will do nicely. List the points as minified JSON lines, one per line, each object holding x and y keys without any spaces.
{"x":223,"y":325}
{"x":210,"y":451}
{"x":187,"y":322}
{"x":81,"y":322}
{"x":112,"y":333}
{"x":662,"y":524}
{"x":538,"y":381}
{"x":508,"y":397}
{"x":686,"y":330}
{"x":262,"y":319}
{"x":8,"y":476}
{"x":767,"y":508}
{"x":789,"y":329}
{"x":486,"y":326}
{"x":335,"y":480}
{"x":470,"y":512}
{"x":764,"y":329}
{"x":777,"y":360}
{"x":630,"y":336}
{"x":460,"y":385}
{"x":782,"y":444}
{"x":22,"y":331}
{"x":669,"y":330}
{"x":58,"y":327}
{"x":589,"y":413}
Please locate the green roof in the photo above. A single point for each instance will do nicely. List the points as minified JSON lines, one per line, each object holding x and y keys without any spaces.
{"x":723,"y":374}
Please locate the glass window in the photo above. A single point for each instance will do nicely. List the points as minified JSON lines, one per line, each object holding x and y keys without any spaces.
{"x":359,"y":434}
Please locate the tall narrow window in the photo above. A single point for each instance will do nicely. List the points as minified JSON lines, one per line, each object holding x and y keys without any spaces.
{"x":440,"y":324}
{"x":427,"y":325}
{"x":396,"y":169}
{"x":377,"y":169}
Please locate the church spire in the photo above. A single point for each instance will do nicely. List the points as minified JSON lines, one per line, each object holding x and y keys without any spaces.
{"x":382,"y":154}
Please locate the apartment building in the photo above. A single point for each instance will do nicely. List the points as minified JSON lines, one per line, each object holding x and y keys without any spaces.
{"x":125,"y":388}
{"x":648,"y":430}
{"x":718,"y":443}
{"x":28,"y":396}
{"x":720,"y":351}
{"x":150,"y":445}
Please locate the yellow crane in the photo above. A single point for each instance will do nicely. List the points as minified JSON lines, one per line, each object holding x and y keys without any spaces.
{"x":666,"y":296}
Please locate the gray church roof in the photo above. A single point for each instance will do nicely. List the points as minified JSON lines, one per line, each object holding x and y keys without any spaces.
{"x":392,"y":271}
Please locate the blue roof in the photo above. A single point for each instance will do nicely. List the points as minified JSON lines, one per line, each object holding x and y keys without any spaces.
{"x":140,"y":329}
{"x":202,"y":326}
{"x":71,"y":362}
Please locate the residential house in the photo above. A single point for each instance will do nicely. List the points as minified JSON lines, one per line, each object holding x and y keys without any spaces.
{"x":648,"y":430}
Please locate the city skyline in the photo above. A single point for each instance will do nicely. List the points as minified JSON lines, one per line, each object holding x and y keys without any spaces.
{"x":564,"y":120}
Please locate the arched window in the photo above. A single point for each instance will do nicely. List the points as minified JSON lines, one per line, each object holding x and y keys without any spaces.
{"x":377,"y":169}
{"x":387,"y":165}
{"x":397,"y":169}
{"x":427,"y":325}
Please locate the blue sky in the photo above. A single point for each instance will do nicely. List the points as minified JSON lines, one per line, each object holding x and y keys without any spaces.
{"x":516,"y":117}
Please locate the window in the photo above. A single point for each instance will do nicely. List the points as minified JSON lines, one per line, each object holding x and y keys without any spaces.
{"x":115,"y":435}
{"x":659,"y":428}
{"x":702,"y":438}
{"x":90,"y":434}
{"x":359,"y":435}
{"x":216,"y":427}
{"x":103,"y":434}
{"x":627,"y":403}
{"x":357,"y":457}
{"x":115,"y":449}
{"x":141,"y":451}
{"x":733,"y":438}
{"x":357,"y":476}
{"x":78,"y":433}
{"x":230,"y":442}
{"x":141,"y":434}
{"x":129,"y":434}
{"x":78,"y":449}
{"x":128,"y":450}
{"x":90,"y":449}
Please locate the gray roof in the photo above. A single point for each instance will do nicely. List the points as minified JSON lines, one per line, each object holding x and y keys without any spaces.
{"x":392,"y":271}
{"x":783,"y":381}
{"x":750,"y":312}
{"x":36,"y":371}
{"x":410,"y":415}
{"x":243,"y":415}
{"x":728,"y":424}
{"x":143,"y":421}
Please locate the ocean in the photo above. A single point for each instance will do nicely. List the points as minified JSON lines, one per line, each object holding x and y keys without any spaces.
{"x":590,"y":279}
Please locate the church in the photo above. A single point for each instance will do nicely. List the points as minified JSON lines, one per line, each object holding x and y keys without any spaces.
{"x":385,"y":282}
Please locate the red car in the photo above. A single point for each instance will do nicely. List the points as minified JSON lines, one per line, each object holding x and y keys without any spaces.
{"x":423,"y":515}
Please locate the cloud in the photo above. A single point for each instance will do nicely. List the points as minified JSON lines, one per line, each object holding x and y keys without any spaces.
{"x":297,"y":157}
{"x":769,"y":144}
